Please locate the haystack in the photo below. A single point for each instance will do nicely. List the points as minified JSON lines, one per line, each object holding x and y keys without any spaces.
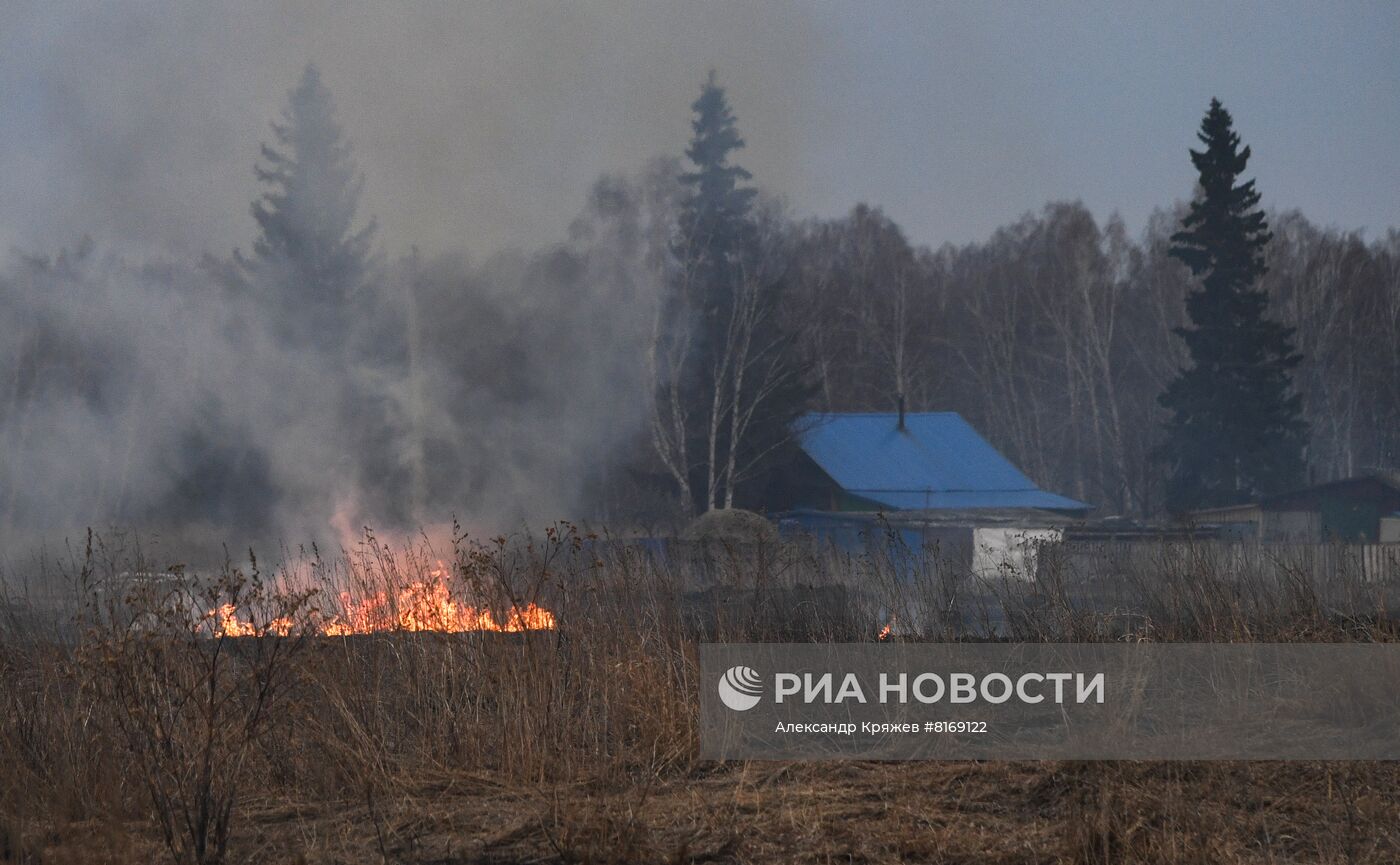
{"x":731,"y":525}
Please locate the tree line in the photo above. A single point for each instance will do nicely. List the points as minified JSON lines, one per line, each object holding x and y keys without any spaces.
{"x":653,"y":363}
{"x":1208,"y":362}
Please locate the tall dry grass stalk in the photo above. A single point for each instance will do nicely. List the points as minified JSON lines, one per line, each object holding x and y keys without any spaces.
{"x":122,"y":702}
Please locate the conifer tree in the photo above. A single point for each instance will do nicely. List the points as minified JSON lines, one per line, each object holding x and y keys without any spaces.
{"x":309,"y":257}
{"x":715,"y":219}
{"x":728,"y":387}
{"x":1236,"y":430}
{"x":314,"y":272}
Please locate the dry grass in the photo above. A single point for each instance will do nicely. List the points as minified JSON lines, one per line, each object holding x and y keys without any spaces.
{"x":578,"y":745}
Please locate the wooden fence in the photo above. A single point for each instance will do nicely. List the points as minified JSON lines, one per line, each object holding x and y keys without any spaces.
{"x":1363,"y":563}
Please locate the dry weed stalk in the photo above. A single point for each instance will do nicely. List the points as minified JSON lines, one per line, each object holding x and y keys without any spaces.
{"x":372,"y":726}
{"x":188,"y":700}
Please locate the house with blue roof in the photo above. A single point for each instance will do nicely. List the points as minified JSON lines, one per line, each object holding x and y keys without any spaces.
{"x":919,"y":461}
{"x":925,"y":481}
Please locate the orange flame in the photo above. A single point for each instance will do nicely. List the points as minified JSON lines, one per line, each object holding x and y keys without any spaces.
{"x":425,"y":605}
{"x":229,"y":625}
{"x":887,"y":629}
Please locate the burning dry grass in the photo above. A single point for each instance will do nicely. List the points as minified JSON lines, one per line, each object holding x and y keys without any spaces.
{"x":126,"y":740}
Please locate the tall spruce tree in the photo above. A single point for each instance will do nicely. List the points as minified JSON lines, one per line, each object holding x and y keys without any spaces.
{"x":715,"y":218}
{"x":312,"y":268}
{"x":735,"y":389}
{"x":1236,"y":430}
{"x":309,"y":257}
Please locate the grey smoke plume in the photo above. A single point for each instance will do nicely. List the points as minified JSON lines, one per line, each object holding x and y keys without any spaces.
{"x":494,"y":371}
{"x":159,"y":395}
{"x":479,"y":126}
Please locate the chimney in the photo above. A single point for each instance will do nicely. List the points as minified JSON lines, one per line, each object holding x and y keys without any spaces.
{"x":899,"y":398}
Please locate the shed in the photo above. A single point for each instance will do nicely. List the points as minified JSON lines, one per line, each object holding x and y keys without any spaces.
{"x":1352,"y":510}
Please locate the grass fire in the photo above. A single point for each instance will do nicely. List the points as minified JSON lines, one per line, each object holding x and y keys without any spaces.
{"x":426,"y":605}
{"x":619,"y":431}
{"x":561,"y":725}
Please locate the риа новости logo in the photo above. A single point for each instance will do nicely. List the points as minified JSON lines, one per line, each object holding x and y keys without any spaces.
{"x":739,"y":688}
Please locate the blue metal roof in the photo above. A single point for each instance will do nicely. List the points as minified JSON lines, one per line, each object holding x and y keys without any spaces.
{"x":938,"y":461}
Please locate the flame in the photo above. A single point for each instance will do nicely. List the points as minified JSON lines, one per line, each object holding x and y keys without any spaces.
{"x":425,"y":605}
{"x":887,"y":629}
{"x":228,"y":624}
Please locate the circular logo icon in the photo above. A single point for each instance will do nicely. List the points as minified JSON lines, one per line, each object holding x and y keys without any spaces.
{"x":739,"y":688}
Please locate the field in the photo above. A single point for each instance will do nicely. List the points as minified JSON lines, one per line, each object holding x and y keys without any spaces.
{"x":534,"y":700}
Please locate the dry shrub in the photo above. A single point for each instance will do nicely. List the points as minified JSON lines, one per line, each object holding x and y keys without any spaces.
{"x":188,"y":700}
{"x":151,"y":725}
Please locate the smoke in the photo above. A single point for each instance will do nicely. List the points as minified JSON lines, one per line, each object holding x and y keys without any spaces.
{"x":117,"y":394}
{"x":162,"y":395}
{"x":497,"y":360}
{"x":497,"y":367}
{"x":479,"y":126}
{"x":529,"y":369}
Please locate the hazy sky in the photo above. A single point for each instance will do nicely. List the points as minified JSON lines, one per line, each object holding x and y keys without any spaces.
{"x":482,"y":125}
